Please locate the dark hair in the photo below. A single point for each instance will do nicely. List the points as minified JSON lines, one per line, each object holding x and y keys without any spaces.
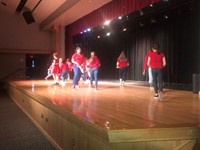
{"x":156,"y":47}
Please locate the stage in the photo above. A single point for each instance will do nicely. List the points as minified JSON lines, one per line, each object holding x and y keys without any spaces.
{"x":110,"y":118}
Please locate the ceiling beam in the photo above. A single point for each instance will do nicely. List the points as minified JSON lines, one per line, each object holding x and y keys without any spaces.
{"x":58,"y":12}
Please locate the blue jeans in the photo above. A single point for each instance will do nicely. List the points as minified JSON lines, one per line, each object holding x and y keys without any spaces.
{"x":94,"y":76}
{"x":150,"y":76}
{"x":122,"y":73}
{"x":157,"y":79}
{"x":64,"y":75}
{"x":77,"y":75}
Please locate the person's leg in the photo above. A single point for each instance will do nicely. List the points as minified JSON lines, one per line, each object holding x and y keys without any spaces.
{"x":120,"y":76}
{"x":49,"y":75}
{"x":150,"y":76}
{"x":96,"y":70}
{"x":124,"y":70}
{"x":155,"y":76}
{"x":62,"y":75}
{"x":54,"y":77}
{"x":160,"y":80}
{"x":76,"y":75}
{"x":91,"y":76}
{"x":57,"y":78}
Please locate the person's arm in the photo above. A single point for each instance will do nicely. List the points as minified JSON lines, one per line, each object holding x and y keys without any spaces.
{"x":164,"y":62}
{"x":148,"y":61}
{"x":127,"y":63}
{"x":117,"y":64}
{"x":145,"y":65}
{"x":74,"y":62}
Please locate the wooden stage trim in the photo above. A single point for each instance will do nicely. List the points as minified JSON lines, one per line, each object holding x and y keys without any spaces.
{"x":112,"y":118}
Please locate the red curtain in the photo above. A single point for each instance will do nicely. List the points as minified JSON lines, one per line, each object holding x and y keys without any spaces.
{"x":109,"y":11}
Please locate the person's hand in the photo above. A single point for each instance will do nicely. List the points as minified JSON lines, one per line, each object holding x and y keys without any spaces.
{"x":144,"y":72}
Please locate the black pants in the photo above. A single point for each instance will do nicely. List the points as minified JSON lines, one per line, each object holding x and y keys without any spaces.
{"x":157,"y":79}
{"x":122,"y":73}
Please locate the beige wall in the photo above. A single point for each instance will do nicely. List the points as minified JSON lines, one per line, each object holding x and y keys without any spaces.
{"x":15,"y":33}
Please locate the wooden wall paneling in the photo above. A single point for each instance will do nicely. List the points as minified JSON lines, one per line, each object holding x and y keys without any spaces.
{"x":66,"y":134}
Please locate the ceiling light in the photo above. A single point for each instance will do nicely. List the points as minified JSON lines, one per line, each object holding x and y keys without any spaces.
{"x":89,"y":29}
{"x":98,"y":36}
{"x":151,"y":5}
{"x":108,"y":34}
{"x":165,"y":16}
{"x":107,"y":22}
{"x":120,"y":17}
{"x":81,"y":32}
{"x":124,"y":29}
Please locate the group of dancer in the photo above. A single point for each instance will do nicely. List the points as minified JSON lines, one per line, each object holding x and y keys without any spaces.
{"x":81,"y":66}
{"x":89,"y":68}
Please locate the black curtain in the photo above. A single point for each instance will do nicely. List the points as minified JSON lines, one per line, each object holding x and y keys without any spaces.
{"x":178,"y":39}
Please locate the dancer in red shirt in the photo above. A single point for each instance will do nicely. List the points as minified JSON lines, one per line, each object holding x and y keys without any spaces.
{"x":149,"y":69}
{"x":56,"y":69}
{"x":122,"y":65}
{"x":64,"y":71}
{"x":157,"y":61}
{"x":94,"y":64}
{"x":77,"y":60}
{"x":70,"y":65}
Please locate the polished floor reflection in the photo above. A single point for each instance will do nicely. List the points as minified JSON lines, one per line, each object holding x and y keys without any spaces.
{"x":117,"y":108}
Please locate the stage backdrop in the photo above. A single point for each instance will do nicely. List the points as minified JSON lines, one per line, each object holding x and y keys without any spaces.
{"x":109,"y":11}
{"x":178,"y":39}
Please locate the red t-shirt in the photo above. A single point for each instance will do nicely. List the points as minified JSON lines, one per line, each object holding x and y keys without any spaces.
{"x":78,"y":58}
{"x":95,"y":63}
{"x":69,"y":66}
{"x":145,"y":60}
{"x":156,"y":60}
{"x":122,"y":63}
{"x":64,"y":66}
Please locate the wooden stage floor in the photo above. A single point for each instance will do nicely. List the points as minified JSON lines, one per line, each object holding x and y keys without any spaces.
{"x":114,"y":108}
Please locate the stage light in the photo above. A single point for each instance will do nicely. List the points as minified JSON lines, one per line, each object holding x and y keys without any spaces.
{"x":88,"y":29}
{"x":103,"y":27}
{"x":108,"y":34}
{"x":124,"y":29}
{"x":98,"y":36}
{"x":151,"y":5}
{"x":165,"y":16}
{"x":107,"y":22}
{"x":85,"y":31}
{"x":120,"y":17}
{"x":141,"y":12}
{"x":81,"y":32}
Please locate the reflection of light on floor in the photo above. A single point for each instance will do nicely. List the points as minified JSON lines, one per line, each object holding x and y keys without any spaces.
{"x":33,"y":86}
{"x":116,"y":82}
{"x":107,"y":125}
